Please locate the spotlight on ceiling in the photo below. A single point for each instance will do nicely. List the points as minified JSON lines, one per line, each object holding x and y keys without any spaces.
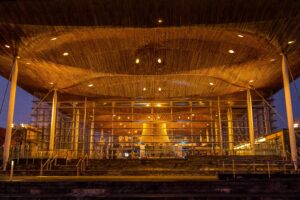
{"x":159,"y":89}
{"x":7,"y":46}
{"x":65,"y":54}
{"x":211,"y":83}
{"x":160,"y":21}
{"x":159,"y":60}
{"x":54,"y":38}
{"x":251,"y":81}
{"x":137,"y":61}
{"x":144,"y":89}
{"x":239,"y":35}
{"x":91,"y":85}
{"x":51,"y":83}
{"x":291,"y":42}
{"x":231,"y":51}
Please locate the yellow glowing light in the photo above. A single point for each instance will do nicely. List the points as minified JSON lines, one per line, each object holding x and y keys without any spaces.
{"x":241,"y":36}
{"x":7,"y":46}
{"x":51,"y":83}
{"x":272,"y":60}
{"x":144,"y":89}
{"x":159,"y":89}
{"x":158,"y":105}
{"x":160,"y":21}
{"x":28,"y":63}
{"x":53,"y":38}
{"x":119,"y":117}
{"x":137,"y":61}
{"x":159,"y":60}
{"x":148,"y":104}
{"x":251,"y":81}
{"x":149,"y":117}
{"x":231,"y":51}
{"x":158,"y":117}
{"x":91,"y":85}
{"x":65,"y":54}
{"x":291,"y":42}
{"x":211,"y":83}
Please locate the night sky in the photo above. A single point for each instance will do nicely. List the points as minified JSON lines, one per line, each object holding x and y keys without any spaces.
{"x":24,"y":104}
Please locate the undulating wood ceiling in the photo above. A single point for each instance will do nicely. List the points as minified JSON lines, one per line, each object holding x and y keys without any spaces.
{"x":150,"y":49}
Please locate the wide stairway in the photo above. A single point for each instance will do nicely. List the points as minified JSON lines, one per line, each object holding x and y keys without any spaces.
{"x":152,"y":167}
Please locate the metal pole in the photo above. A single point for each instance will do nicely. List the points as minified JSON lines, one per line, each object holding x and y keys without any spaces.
{"x":10,"y":113}
{"x":92,"y":131}
{"x":250,"y":121}
{"x":230,"y":131}
{"x":84,"y":127}
{"x":53,"y":123}
{"x":289,"y":110}
{"x":220,"y":126}
{"x":76,"y":133}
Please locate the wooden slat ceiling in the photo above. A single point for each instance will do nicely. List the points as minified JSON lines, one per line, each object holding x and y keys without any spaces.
{"x":103,"y":39}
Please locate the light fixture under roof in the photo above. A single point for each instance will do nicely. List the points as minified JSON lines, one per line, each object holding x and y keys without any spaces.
{"x":231,"y":51}
{"x":137,"y":61}
{"x":158,"y":60}
{"x":160,"y":21}
{"x":239,"y":35}
{"x":148,"y":104}
{"x":144,"y":89}
{"x":54,"y":38}
{"x":65,"y":54}
{"x":291,"y":42}
{"x":158,"y":105}
{"x":211,"y":83}
{"x":91,"y":85}
{"x":51,"y":83}
{"x":272,"y":60}
{"x":159,"y":89}
{"x":7,"y":46}
{"x":28,"y":63}
{"x":251,"y":81}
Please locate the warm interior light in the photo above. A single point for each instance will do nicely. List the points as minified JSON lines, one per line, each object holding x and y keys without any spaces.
{"x":159,"y":89}
{"x":147,"y":104}
{"x":230,"y":51}
{"x":159,"y":60}
{"x":296,"y":125}
{"x":7,"y":46}
{"x":53,"y":38}
{"x":158,"y":105}
{"x":144,"y":89}
{"x":272,"y":60}
{"x":239,"y":35}
{"x":160,"y":21}
{"x":91,"y":85}
{"x":65,"y":54}
{"x":291,"y":42}
{"x":28,"y":63}
{"x":251,"y":81}
{"x":211,"y":83}
{"x":51,"y":83}
{"x":119,"y":117}
{"x":137,"y":61}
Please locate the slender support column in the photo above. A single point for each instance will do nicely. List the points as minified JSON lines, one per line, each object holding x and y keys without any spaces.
{"x":289,"y":110}
{"x":207,"y":135}
{"x":92,"y":132}
{"x":230,"y":131}
{"x":250,"y":121}
{"x":220,"y":126}
{"x":84,"y":128}
{"x":73,"y":128}
{"x":267,"y":125}
{"x":76,"y":133}
{"x":53,"y":123}
{"x":10,"y":113}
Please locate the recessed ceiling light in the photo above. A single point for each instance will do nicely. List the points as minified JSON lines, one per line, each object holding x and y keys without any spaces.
{"x":51,"y":83}
{"x":137,"y":61}
{"x":144,"y":89}
{"x":159,"y":89}
{"x":28,"y":63}
{"x":211,"y":83}
{"x":65,"y":54}
{"x":231,"y":51}
{"x":251,"y":81}
{"x":53,"y":38}
{"x":160,"y":21}
{"x":7,"y":46}
{"x":291,"y":42}
{"x":159,"y":60}
{"x":149,"y":117}
{"x":239,"y":35}
{"x":158,"y":117}
{"x":91,"y":85}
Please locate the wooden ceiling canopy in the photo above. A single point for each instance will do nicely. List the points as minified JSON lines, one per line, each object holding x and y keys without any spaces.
{"x":155,"y":49}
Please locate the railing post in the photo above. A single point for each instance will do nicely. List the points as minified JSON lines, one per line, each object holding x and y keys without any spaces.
{"x":11,"y":170}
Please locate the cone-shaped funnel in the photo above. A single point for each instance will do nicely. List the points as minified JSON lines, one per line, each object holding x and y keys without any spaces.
{"x":155,"y":132}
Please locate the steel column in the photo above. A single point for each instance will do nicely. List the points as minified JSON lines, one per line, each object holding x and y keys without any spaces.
{"x":250,"y":121}
{"x":53,"y":122}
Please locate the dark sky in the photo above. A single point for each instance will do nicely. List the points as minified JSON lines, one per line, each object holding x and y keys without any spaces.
{"x":24,"y":104}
